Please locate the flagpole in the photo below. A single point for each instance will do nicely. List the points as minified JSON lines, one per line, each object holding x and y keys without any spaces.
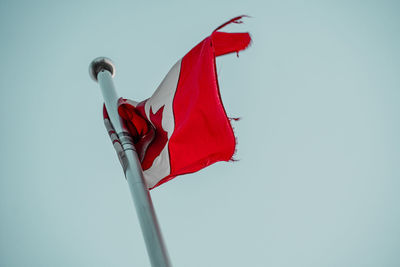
{"x":102,"y":70}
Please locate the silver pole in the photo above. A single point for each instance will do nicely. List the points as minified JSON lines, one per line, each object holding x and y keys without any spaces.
{"x":102,"y":70}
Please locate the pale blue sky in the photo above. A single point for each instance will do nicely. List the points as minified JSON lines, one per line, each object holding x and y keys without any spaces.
{"x":317,"y":183}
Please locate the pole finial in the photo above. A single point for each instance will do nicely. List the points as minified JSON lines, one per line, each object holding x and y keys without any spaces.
{"x":99,"y":64}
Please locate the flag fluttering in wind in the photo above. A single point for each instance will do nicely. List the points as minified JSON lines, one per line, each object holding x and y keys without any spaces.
{"x":183,"y":126}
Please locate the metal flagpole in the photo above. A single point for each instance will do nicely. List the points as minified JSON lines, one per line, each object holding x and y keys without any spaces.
{"x":102,"y":70}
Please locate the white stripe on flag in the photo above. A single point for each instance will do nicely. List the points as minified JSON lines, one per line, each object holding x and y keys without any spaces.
{"x":163,"y":96}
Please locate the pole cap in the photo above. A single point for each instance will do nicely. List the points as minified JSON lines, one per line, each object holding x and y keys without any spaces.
{"x":99,"y":64}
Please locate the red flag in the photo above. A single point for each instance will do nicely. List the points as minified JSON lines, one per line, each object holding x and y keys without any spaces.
{"x":183,"y":126}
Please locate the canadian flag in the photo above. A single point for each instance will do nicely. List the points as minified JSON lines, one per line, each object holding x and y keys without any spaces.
{"x":183,"y":126}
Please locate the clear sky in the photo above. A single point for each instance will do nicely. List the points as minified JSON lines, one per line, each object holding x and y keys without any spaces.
{"x":318,"y":91}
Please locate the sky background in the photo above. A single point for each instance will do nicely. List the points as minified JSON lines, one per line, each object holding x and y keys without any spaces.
{"x":317,"y":181}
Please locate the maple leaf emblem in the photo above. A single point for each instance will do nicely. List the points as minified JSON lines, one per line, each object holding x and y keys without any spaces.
{"x":150,"y":145}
